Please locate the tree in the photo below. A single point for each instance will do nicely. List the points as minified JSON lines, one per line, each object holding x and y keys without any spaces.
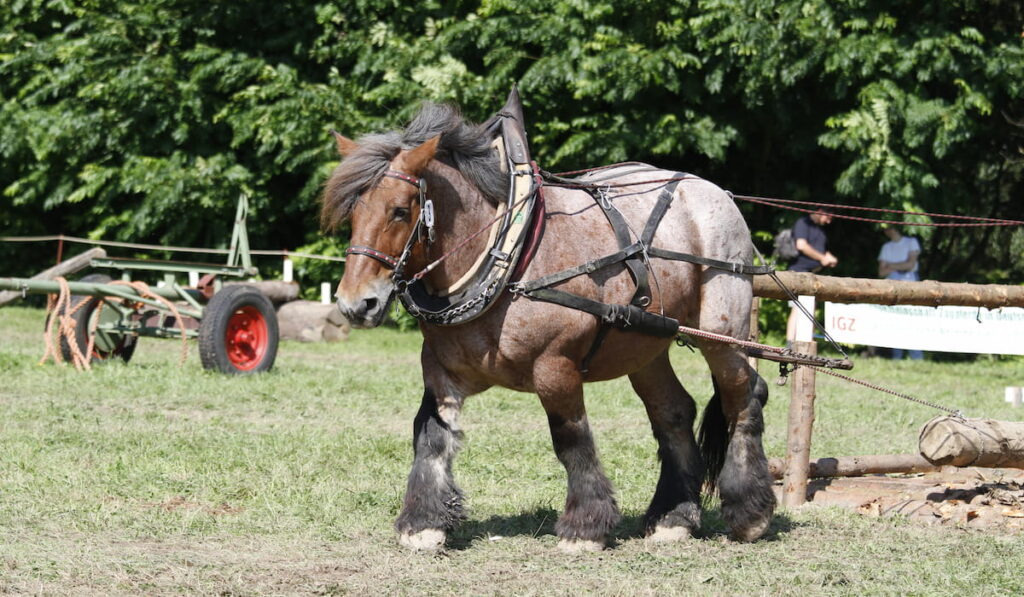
{"x":144,"y":120}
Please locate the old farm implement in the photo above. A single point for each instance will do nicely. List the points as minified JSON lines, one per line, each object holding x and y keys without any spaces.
{"x":101,"y":318}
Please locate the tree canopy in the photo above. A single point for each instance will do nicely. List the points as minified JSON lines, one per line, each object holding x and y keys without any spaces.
{"x":143,"y":120}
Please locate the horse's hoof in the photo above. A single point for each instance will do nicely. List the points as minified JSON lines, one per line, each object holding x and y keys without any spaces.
{"x":752,"y":532}
{"x":425,"y":540}
{"x":579,"y":545}
{"x":663,"y":534}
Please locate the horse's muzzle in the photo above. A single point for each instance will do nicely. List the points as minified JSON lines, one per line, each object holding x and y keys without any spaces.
{"x":369,"y":310}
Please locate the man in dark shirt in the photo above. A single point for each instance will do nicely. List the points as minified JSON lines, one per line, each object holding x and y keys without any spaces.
{"x":812,"y":246}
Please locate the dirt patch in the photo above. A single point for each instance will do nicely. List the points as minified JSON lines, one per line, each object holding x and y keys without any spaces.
{"x":971,"y":497}
{"x":181,"y":503}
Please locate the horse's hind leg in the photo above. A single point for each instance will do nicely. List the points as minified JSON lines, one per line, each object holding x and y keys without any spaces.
{"x":674,"y":512}
{"x":744,"y":483}
{"x":590,"y":509}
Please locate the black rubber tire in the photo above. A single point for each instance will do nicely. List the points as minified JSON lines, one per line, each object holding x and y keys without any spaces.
{"x":124,"y":345}
{"x":225,"y":327}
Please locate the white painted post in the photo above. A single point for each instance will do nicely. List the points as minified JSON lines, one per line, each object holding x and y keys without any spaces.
{"x":193,"y":279}
{"x":287,"y":275}
{"x":325,"y":293}
{"x":1014,"y":395}
{"x":804,"y":326}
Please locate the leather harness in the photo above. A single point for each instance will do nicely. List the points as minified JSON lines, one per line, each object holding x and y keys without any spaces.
{"x":520,"y":226}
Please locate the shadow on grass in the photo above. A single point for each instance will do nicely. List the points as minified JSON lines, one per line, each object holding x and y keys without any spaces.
{"x":541,"y":522}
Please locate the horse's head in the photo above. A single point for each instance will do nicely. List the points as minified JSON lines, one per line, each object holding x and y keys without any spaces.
{"x":384,"y":220}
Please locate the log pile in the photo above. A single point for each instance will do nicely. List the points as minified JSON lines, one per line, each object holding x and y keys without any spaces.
{"x":311,"y":321}
{"x":305,"y":321}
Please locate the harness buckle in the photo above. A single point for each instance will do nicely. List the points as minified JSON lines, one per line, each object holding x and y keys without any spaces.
{"x":428,"y":214}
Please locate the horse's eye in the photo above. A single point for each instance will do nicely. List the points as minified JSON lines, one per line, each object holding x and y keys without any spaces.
{"x":400,"y":214}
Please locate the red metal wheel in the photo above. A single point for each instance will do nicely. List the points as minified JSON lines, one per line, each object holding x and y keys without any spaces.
{"x":238,"y":333}
{"x":246,"y":338}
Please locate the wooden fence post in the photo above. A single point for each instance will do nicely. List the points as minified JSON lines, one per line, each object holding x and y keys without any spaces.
{"x":801,"y":414}
{"x":798,"y":437}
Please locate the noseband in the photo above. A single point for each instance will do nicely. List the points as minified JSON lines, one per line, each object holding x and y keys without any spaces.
{"x":426,"y":220}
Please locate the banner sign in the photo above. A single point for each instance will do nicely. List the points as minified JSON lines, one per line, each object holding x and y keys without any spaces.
{"x":943,"y":329}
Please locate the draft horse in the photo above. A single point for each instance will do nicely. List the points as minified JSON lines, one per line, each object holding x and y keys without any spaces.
{"x":423,"y":202}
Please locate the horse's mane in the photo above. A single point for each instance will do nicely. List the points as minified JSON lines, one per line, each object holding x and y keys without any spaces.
{"x":464,"y":145}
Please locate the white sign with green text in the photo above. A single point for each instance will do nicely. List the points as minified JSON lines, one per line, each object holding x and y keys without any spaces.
{"x":943,"y":329}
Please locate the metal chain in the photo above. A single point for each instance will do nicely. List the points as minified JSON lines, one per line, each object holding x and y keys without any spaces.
{"x":954,"y":412}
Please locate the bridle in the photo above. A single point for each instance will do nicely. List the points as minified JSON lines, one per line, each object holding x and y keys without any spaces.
{"x":425,"y":221}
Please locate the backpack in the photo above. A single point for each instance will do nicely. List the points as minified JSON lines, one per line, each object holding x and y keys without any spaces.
{"x":785,"y":245}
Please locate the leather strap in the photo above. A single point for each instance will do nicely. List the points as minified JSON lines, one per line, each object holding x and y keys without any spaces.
{"x":729,"y":266}
{"x":409,"y":178}
{"x":630,"y":318}
{"x":388,"y":261}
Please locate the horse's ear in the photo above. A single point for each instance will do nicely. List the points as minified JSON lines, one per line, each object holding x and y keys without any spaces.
{"x":415,"y":160}
{"x":345,"y":145}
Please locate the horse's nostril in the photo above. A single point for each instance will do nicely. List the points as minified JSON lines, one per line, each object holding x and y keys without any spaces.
{"x":369,"y":305}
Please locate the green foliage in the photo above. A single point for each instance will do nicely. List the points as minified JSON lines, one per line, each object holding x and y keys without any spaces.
{"x":143,"y":120}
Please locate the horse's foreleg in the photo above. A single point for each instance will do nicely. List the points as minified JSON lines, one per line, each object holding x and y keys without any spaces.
{"x":433,"y":502}
{"x":590,"y":509}
{"x":674,"y":512}
{"x":744,"y":483}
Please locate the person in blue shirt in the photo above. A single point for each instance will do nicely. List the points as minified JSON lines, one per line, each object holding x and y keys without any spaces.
{"x":898,"y":261}
{"x":813,"y":254}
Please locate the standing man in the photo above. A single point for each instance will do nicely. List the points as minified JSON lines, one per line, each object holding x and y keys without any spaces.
{"x":898,"y":261}
{"x":812,"y":246}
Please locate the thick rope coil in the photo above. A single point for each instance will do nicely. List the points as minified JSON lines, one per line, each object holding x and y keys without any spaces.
{"x":61,"y":317}
{"x":61,"y":323}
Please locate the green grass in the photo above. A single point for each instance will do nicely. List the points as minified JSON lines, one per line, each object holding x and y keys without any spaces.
{"x":156,"y":478}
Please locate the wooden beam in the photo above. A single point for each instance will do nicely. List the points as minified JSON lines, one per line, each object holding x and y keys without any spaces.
{"x":890,"y":292}
{"x":854,"y":466}
{"x":64,"y":268}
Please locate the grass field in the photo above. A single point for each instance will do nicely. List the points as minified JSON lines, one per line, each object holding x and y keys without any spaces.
{"x":150,"y":478}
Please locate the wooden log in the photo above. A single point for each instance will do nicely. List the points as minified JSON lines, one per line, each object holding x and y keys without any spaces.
{"x":798,"y":436}
{"x":972,"y":442}
{"x":64,"y":268}
{"x":890,"y":292}
{"x":855,"y":466}
{"x":311,"y":321}
{"x":277,"y":291}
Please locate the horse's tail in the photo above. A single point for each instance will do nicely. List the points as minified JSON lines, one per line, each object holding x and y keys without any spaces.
{"x":715,"y":429}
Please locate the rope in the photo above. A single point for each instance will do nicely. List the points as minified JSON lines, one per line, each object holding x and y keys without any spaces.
{"x":61,"y":323}
{"x":972,"y":221}
{"x":745,"y":343}
{"x":62,"y":318}
{"x":172,"y":249}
